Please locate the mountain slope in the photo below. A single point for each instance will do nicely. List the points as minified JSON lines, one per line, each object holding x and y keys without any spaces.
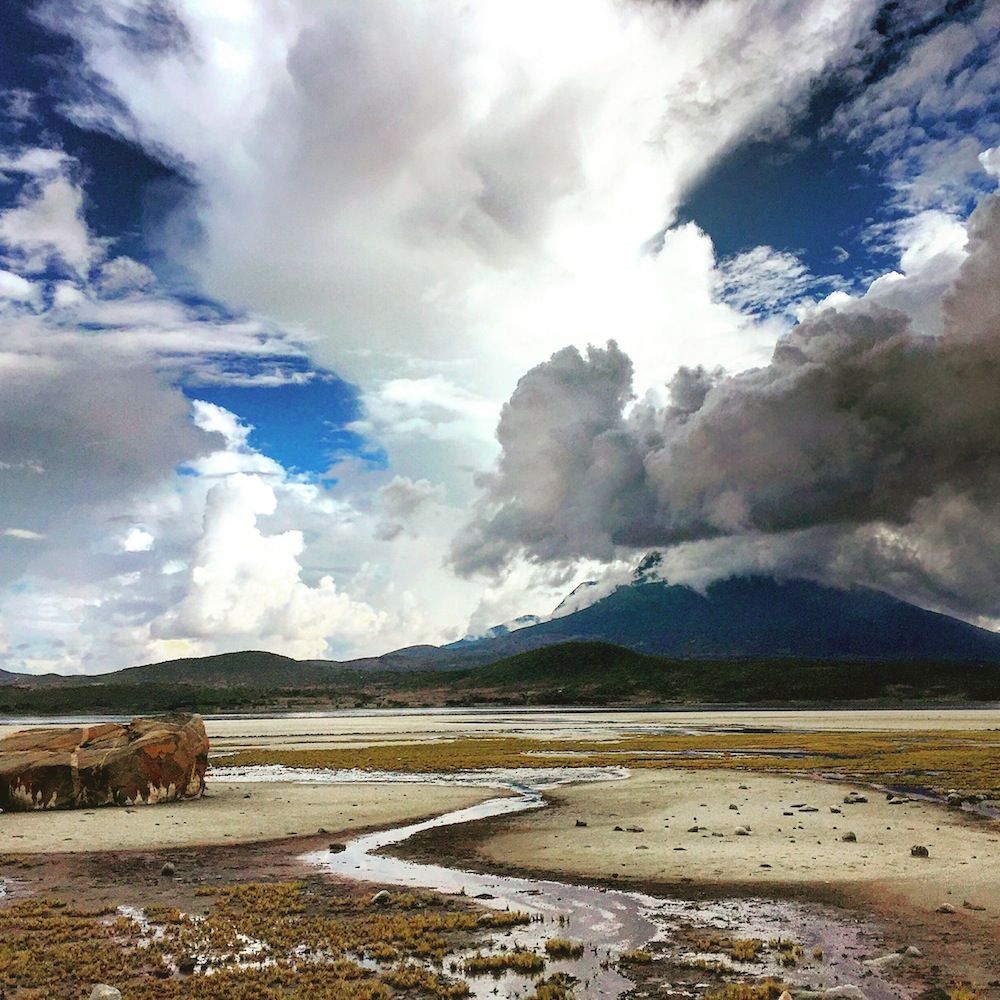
{"x":599,"y":673}
{"x":738,"y":619}
{"x":756,"y":616}
{"x":250,"y":668}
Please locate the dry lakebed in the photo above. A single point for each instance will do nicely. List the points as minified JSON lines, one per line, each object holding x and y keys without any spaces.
{"x":537,"y":854}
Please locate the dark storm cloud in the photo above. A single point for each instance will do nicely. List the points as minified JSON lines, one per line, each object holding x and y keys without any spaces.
{"x":75,"y":438}
{"x":856,"y":422}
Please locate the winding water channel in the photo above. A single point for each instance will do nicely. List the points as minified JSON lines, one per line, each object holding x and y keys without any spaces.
{"x":608,"y":922}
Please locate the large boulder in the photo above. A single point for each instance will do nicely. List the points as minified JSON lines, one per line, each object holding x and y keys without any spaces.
{"x":144,"y":762}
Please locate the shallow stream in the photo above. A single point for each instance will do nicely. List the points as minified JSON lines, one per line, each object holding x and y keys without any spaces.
{"x":608,"y":922}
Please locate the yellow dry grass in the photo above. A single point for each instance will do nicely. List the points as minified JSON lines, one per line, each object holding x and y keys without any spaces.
{"x":558,"y":986}
{"x":767,"y":989}
{"x":563,"y":948}
{"x":519,"y":960}
{"x":637,"y":956}
{"x":262,"y":940}
{"x":968,"y":761}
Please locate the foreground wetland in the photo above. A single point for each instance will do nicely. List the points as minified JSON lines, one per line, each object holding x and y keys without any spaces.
{"x":724,"y":855}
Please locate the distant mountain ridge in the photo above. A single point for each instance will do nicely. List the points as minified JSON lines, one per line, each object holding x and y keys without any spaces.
{"x":739,"y":618}
{"x":756,"y":616}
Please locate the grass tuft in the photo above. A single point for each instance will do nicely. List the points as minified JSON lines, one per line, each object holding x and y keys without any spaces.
{"x":563,"y":948}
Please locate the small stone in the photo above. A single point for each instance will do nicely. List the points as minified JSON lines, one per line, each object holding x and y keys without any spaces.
{"x":580,"y":822}
{"x":635,"y":829}
{"x":734,"y":807}
{"x":972,"y":906}
{"x":945,"y":908}
{"x":913,"y":952}
{"x":693,"y":829}
{"x":336,"y":847}
{"x":836,"y":810}
{"x":618,"y":829}
{"x":743,"y":831}
{"x":381,"y":898}
{"x":919,"y":851}
{"x":169,"y":870}
{"x":885,"y":961}
{"x":103,"y":992}
{"x":187,"y":964}
{"x":846,"y":992}
{"x":850,"y":837}
{"x":785,"y":995}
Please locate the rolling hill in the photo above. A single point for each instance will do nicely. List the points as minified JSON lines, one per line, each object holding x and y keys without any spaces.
{"x":669,"y":641}
{"x":599,"y":673}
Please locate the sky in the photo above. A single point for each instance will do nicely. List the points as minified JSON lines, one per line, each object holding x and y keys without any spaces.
{"x":334,"y":328}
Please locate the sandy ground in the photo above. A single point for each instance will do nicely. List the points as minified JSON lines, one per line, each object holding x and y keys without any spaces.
{"x":232,"y":813}
{"x":361,"y":728}
{"x":805,"y":847}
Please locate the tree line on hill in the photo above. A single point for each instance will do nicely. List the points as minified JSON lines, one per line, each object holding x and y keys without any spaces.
{"x":575,"y":673}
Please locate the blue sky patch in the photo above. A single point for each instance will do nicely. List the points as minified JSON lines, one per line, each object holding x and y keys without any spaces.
{"x":300,"y":425}
{"x":809,"y":195}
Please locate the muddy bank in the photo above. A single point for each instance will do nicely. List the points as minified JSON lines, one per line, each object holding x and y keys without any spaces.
{"x":640,"y":833}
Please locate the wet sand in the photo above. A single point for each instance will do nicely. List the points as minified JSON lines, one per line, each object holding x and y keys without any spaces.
{"x":232,"y":813}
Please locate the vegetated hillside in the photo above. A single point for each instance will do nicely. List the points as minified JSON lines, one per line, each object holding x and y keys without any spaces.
{"x":598,"y":673}
{"x":743,"y":618}
{"x":757,"y":617}
{"x":568,"y":674}
{"x":9,"y":677}
{"x":251,"y":668}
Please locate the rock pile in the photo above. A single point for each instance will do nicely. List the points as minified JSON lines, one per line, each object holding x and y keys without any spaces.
{"x":144,"y":762}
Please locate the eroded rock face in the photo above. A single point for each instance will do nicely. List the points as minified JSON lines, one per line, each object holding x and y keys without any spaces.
{"x":147,"y":761}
